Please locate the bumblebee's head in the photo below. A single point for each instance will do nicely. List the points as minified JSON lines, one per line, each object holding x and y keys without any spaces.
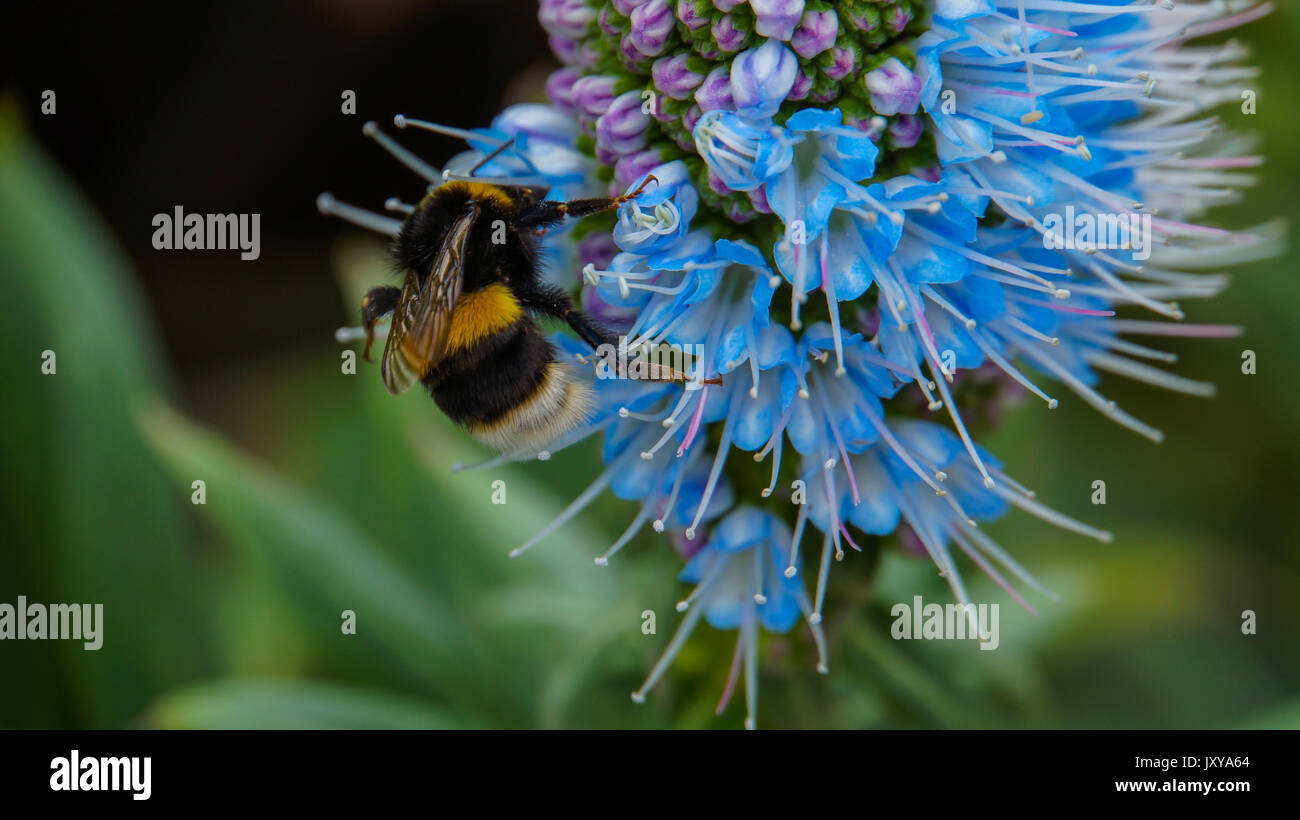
{"x":378,"y":303}
{"x":375,"y":305}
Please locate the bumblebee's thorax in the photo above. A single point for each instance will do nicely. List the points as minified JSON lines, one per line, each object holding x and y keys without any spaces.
{"x":493,"y":246}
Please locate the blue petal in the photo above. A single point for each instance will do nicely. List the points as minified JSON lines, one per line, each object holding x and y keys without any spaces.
{"x":925,"y":262}
{"x":756,"y":421}
{"x":805,"y":428}
{"x":740,"y":530}
{"x":855,"y":153}
{"x":962,"y":9}
{"x":813,"y":119}
{"x":776,"y":346}
{"x":934,"y":444}
{"x":960,"y":138}
{"x":740,"y":252}
{"x":877,"y":510}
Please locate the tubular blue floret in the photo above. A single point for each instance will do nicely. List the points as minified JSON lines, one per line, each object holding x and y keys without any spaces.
{"x":661,"y":217}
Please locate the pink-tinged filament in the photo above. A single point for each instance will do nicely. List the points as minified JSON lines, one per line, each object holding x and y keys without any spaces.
{"x":695,"y":421}
{"x":732,"y":677}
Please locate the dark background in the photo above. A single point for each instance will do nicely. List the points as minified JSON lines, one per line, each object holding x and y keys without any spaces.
{"x":235,"y":108}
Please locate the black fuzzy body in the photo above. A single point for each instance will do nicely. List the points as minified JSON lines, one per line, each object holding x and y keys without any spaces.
{"x":514,"y":260}
{"x":485,"y":383}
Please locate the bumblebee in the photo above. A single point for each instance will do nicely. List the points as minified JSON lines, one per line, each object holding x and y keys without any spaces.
{"x":462,"y":322}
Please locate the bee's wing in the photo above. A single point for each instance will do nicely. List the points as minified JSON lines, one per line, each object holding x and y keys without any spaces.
{"x":418,"y":335}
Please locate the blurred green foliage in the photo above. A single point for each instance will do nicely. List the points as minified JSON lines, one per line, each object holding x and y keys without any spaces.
{"x":340,"y":497}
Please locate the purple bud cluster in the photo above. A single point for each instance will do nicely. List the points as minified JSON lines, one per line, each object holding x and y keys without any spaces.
{"x":639,"y":74}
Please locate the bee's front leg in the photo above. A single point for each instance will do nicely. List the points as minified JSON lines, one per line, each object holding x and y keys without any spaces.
{"x":549,"y":212}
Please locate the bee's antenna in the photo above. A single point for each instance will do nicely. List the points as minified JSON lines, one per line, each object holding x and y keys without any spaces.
{"x":419,"y":166}
{"x":496,"y":152}
{"x":328,"y":205}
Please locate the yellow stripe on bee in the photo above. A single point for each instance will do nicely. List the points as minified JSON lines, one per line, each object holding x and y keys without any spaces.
{"x":480,"y":314}
{"x":480,"y":191}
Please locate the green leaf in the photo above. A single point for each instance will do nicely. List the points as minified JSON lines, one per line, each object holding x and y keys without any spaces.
{"x":325,"y":564}
{"x":463,"y":533}
{"x":1284,"y":715}
{"x":549,"y":614}
{"x":288,"y":705}
{"x":910,"y":680}
{"x":90,"y":518}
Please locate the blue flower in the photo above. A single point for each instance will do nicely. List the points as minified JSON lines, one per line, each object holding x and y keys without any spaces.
{"x":740,"y":583}
{"x":825,"y":155}
{"x":661,"y":216}
{"x":927,"y":208}
{"x":743,"y":155}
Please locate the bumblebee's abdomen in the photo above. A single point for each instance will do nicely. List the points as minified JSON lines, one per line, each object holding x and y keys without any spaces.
{"x":509,"y":392}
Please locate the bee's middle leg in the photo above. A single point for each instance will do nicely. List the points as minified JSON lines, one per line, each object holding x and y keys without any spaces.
{"x":554,"y":302}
